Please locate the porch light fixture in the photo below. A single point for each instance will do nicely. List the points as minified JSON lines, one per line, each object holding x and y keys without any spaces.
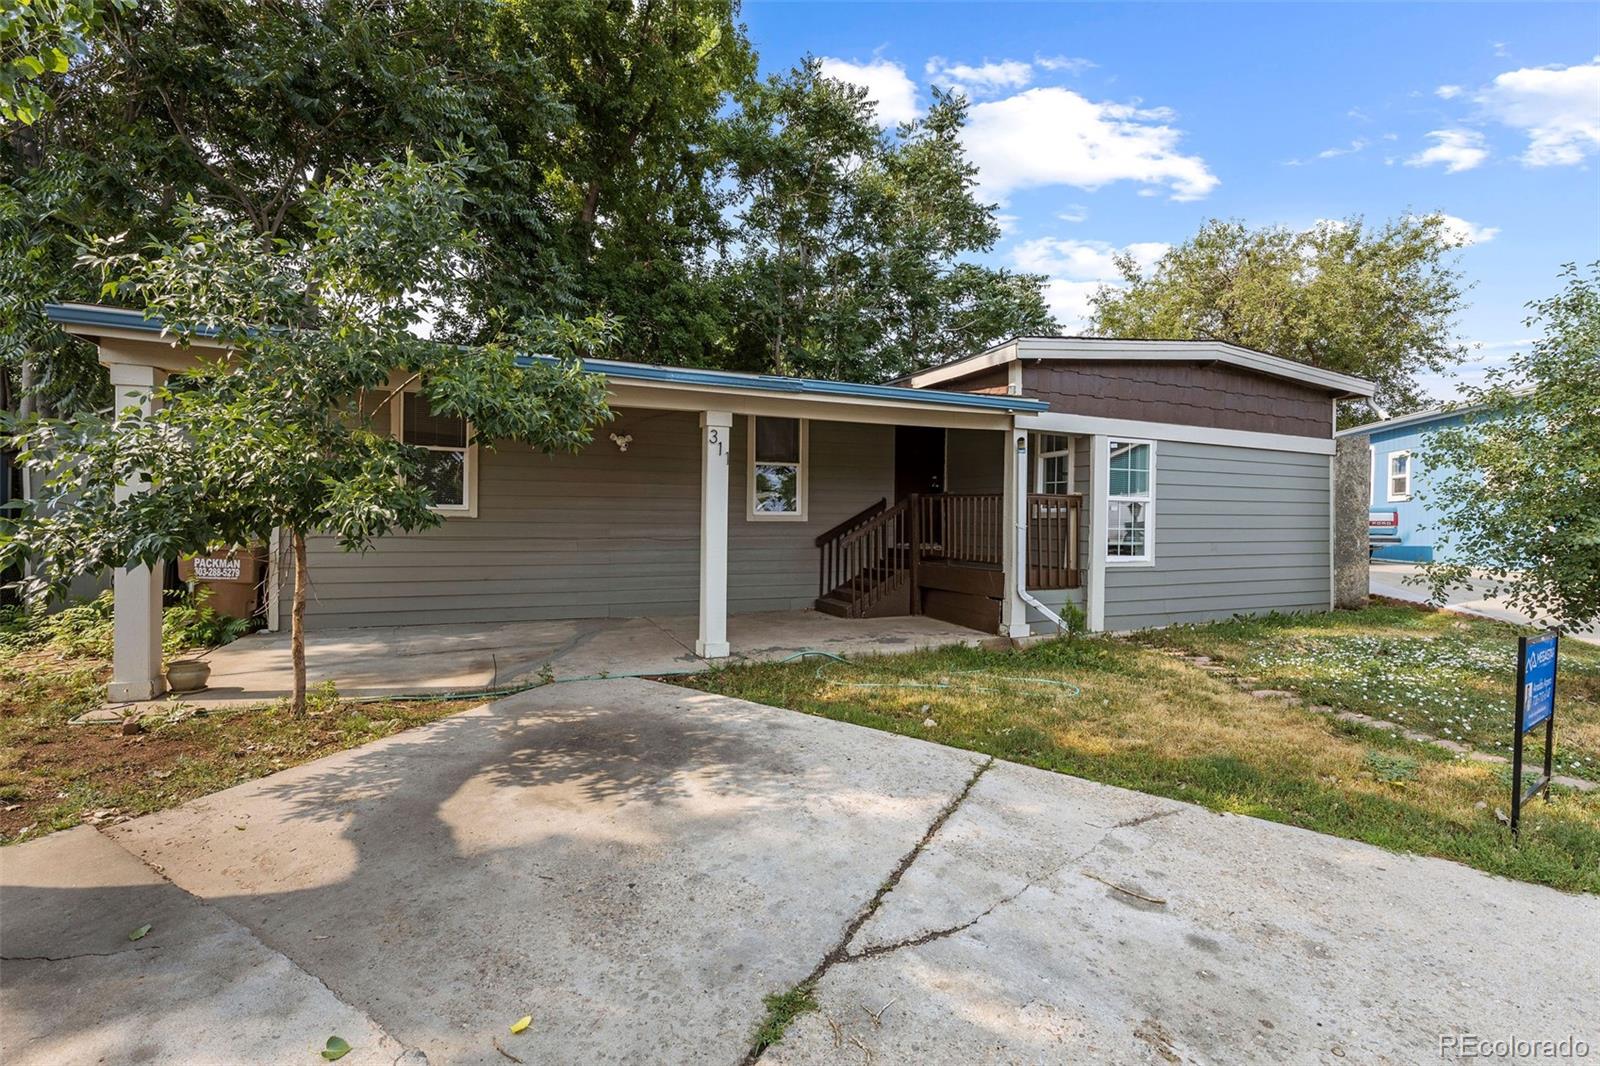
{"x":622,"y":441}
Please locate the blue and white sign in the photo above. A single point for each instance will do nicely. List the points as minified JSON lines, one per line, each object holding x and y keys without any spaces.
{"x":1538,"y":696}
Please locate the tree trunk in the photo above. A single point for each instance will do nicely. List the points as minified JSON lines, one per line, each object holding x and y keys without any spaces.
{"x":297,"y":626}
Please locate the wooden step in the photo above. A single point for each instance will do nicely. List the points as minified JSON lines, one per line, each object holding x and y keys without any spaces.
{"x":835,"y":606}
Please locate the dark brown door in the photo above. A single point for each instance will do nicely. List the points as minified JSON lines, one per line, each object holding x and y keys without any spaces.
{"x":918,"y":460}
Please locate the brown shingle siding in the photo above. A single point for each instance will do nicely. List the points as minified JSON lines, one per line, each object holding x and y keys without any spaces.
{"x":1189,"y":394}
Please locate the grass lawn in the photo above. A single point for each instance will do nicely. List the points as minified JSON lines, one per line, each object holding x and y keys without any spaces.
{"x":1117,"y":711}
{"x":54,"y":775}
{"x":1433,"y":671}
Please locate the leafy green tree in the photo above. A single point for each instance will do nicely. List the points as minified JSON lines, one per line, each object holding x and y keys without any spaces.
{"x":1376,"y":302}
{"x":1519,"y":489}
{"x":633,"y":177}
{"x":40,"y":38}
{"x":248,"y":107}
{"x":287,"y":429}
{"x":845,"y":262}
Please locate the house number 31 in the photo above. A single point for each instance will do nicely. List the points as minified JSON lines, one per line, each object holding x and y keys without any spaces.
{"x":714,"y":438}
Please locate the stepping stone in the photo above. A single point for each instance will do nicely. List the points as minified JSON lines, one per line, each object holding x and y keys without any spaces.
{"x":1486,"y":756}
{"x":1451,"y":745}
{"x":1272,"y":694}
{"x":1577,"y":783}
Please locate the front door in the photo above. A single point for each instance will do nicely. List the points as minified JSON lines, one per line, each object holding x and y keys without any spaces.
{"x":918,"y":460}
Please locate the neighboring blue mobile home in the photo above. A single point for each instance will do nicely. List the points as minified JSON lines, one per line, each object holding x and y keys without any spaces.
{"x":1402,"y":519}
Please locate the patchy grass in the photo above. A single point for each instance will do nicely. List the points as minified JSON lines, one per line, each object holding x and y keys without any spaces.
{"x":54,"y":775}
{"x":782,"y":1010}
{"x":1114,"y":711}
{"x":1433,"y":671}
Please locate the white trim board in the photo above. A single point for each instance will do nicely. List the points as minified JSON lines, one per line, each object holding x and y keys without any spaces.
{"x":1124,"y":427}
{"x":1102,"y":348}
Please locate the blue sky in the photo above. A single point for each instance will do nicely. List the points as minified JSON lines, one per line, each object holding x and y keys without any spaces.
{"x":1101,"y":127}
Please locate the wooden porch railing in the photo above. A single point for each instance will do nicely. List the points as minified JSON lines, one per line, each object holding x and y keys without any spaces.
{"x":868,"y":562}
{"x":1053,"y":524}
{"x":876,"y":551}
{"x":961,"y":527}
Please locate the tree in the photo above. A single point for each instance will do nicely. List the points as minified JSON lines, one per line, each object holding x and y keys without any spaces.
{"x":248,"y":107}
{"x":634,"y":175}
{"x":1377,"y":303}
{"x":40,"y":37}
{"x":845,"y":262}
{"x":1519,"y":489}
{"x":288,"y":429}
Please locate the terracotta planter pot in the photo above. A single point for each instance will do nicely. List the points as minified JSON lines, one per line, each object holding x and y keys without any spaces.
{"x":188,"y":675}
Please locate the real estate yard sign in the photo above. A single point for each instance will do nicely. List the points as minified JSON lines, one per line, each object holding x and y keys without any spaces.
{"x":1536,"y":706}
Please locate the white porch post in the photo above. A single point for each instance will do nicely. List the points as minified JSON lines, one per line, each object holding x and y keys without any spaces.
{"x":136,"y":619}
{"x":1014,"y":546}
{"x":1099,"y":477}
{"x":716,"y":429}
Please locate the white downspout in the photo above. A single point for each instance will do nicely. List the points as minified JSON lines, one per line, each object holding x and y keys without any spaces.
{"x":1019,"y":572}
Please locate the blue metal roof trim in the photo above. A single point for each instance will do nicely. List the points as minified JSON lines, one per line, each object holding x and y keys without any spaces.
{"x":121,"y":318}
{"x":805,"y":386}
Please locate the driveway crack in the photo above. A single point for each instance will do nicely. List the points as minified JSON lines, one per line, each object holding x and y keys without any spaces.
{"x":79,"y":955}
{"x":840,"y":952}
{"x":932,"y":935}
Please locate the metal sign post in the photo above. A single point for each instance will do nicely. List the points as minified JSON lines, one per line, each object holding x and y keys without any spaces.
{"x":1536,"y":705}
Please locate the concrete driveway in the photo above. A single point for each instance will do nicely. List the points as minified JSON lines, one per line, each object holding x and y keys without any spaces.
{"x":637,"y":866}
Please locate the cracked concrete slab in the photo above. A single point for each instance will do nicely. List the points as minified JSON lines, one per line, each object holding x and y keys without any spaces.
{"x":196,"y":988}
{"x":633,"y":864}
{"x":637,"y":866}
{"x":1091,"y":924}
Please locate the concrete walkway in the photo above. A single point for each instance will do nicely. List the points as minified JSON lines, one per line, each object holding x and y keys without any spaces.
{"x":637,"y":866}
{"x":1389,"y":579}
{"x":388,"y":660}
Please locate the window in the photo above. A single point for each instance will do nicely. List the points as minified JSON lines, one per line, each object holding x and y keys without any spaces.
{"x":449,"y":465}
{"x":778,"y":468}
{"x":1399,"y":476}
{"x":1053,"y":472}
{"x":1130,"y":474}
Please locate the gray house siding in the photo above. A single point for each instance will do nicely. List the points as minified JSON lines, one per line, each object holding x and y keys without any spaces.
{"x":1237,"y":531}
{"x":602,"y":533}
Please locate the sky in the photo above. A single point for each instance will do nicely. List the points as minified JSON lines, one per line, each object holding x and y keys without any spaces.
{"x":1105,"y":128}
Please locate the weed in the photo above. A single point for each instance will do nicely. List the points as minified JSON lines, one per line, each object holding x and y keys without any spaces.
{"x":1391,"y":767}
{"x":782,"y":1010}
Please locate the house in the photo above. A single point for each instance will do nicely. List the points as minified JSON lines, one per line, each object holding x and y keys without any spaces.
{"x":1402,"y":521}
{"x":1141,"y":482}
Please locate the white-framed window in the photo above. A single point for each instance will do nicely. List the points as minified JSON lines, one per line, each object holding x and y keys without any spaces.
{"x":1052,"y":470}
{"x":1399,"y":476}
{"x":450,"y":467}
{"x":776,"y":449}
{"x":1130,"y":507}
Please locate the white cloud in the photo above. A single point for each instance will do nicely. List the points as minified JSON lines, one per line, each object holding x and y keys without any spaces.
{"x":1073,"y":213}
{"x":976,"y":82}
{"x":1054,"y":136}
{"x":888,"y":86}
{"x":1078,"y":269}
{"x":1456,"y":150}
{"x":1557,"y":107}
{"x":1354,"y":146}
{"x":1070,"y":64}
{"x":1467,"y":233}
{"x":1448,"y":92}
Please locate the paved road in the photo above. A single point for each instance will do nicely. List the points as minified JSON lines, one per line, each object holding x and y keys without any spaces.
{"x":1389,"y":579}
{"x":637,"y":866}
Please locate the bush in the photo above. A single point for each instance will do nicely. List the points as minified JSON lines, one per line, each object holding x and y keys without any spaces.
{"x":85,"y":628}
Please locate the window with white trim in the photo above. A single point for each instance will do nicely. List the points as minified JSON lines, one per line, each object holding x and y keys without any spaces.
{"x":777,"y":452}
{"x":1130,"y":496}
{"x":450,"y":458}
{"x":1053,"y":471}
{"x":1399,"y":476}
